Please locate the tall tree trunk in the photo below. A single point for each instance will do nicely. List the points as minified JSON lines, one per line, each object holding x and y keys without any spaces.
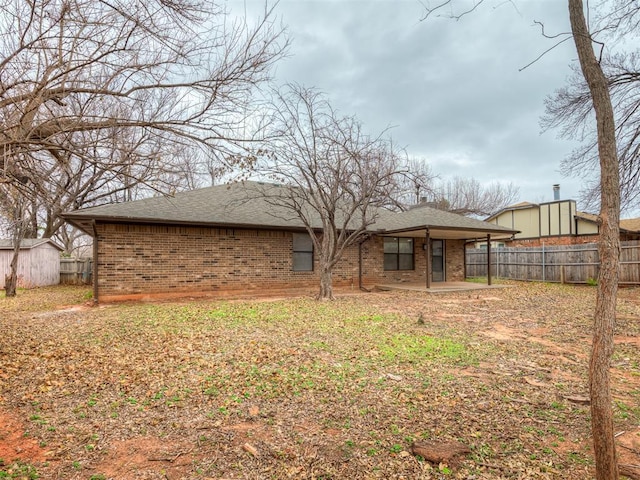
{"x":326,"y":284}
{"x":11,"y":280}
{"x":608,"y":248}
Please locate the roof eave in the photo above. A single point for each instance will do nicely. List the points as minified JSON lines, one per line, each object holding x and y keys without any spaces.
{"x":85,"y":223}
{"x":501,"y":232}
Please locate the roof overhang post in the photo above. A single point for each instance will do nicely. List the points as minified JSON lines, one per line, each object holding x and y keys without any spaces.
{"x":488,"y":259}
{"x":427,"y":253}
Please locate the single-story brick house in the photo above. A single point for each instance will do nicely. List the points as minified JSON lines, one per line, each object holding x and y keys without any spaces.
{"x":231,"y":239}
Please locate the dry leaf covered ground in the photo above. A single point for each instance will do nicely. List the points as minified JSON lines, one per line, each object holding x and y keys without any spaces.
{"x":299,"y":389}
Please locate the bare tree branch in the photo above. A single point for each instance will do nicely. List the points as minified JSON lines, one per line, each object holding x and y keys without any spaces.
{"x":336,"y":176}
{"x":103,"y":97}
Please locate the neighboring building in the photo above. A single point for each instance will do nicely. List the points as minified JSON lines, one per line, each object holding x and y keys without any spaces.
{"x":555,"y":223}
{"x":38,"y":262}
{"x":231,"y":239}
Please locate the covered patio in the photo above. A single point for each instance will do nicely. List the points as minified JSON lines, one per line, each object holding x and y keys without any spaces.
{"x":434,"y":230}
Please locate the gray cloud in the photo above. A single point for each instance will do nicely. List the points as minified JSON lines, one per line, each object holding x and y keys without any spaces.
{"x":451,"y":89}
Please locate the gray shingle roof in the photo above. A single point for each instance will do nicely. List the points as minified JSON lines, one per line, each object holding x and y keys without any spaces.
{"x":427,"y":217}
{"x":27,"y":243}
{"x":246,"y":204}
{"x":236,"y":204}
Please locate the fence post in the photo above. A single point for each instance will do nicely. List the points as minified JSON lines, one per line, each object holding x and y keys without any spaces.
{"x":543,"y":265}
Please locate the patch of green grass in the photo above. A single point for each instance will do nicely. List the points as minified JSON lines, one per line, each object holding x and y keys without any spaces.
{"x":578,"y":458}
{"x":625,"y":412}
{"x":419,"y":348}
{"x":19,"y":470}
{"x":37,"y":419}
{"x":476,"y":279}
{"x":396,"y":448}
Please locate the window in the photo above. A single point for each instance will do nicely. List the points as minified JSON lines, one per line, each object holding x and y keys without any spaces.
{"x":302,"y":252}
{"x":398,"y":253}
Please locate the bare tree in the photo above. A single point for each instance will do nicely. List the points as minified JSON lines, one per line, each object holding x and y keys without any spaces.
{"x":120,"y":175}
{"x":467,"y":196}
{"x":415,"y":184}
{"x":464,"y":196}
{"x":571,"y":110}
{"x":624,"y":15}
{"x":16,"y":224}
{"x":336,"y":175}
{"x":608,"y":249}
{"x":104,"y":96}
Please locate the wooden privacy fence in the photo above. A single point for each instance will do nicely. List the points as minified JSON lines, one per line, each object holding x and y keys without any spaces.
{"x":552,"y":263}
{"x":75,"y":271}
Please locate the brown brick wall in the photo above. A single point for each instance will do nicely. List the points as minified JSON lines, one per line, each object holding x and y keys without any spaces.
{"x":137,"y":260}
{"x":373,"y":266}
{"x":148,"y":259}
{"x":454,"y":260}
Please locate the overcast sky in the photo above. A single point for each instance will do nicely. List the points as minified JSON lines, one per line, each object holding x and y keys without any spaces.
{"x":452,"y":90}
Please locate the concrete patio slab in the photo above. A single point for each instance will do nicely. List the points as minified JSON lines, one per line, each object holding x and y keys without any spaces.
{"x":439,"y":287}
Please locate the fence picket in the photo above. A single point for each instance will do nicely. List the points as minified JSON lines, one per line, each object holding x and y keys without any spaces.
{"x":75,"y":271}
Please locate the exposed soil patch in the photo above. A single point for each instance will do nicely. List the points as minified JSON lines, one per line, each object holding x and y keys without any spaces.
{"x":15,"y":444}
{"x":145,"y":457}
{"x":629,"y":452}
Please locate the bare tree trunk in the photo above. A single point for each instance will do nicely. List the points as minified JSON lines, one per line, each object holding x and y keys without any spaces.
{"x":326,"y":284}
{"x":609,"y":250}
{"x":11,"y":280}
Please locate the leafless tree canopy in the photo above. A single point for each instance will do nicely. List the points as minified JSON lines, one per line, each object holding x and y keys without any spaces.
{"x":415,"y":184}
{"x":467,"y":196}
{"x":99,"y":97}
{"x":464,"y":196}
{"x":339,"y":175}
{"x":570,"y":109}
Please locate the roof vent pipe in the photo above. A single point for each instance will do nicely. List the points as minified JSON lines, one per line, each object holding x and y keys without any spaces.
{"x":556,"y":191}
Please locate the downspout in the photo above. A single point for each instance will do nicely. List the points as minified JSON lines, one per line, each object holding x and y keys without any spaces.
{"x":95,"y":262}
{"x":464,"y":262}
{"x":428,"y":255}
{"x":360,"y":265}
{"x":360,"y":285}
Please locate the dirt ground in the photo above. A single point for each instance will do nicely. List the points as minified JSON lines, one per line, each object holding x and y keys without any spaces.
{"x":291,"y":388}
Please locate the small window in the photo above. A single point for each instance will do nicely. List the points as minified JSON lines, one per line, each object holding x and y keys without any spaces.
{"x":398,"y":253}
{"x":302,"y":253}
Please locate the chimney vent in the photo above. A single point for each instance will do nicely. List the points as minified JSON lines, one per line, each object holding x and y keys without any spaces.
{"x":556,"y":191}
